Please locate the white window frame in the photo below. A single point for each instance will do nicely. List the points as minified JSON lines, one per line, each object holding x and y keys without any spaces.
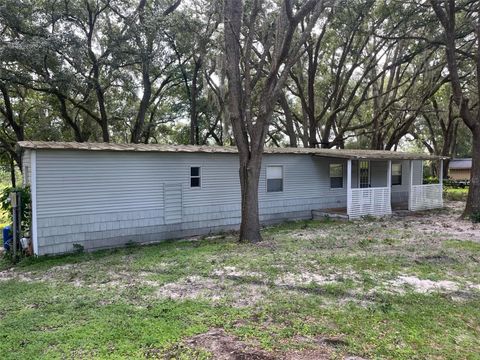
{"x":266,"y":178}
{"x":401,"y":173}
{"x":199,"y":176}
{"x":330,"y":177}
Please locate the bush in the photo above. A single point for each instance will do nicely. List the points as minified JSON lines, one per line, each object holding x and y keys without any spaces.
{"x":26,"y":211}
{"x":475,"y":217}
{"x":430,"y":180}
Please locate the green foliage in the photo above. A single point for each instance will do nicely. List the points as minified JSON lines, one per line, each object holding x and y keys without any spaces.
{"x":430,"y":180}
{"x":78,"y":248}
{"x":475,"y":217}
{"x":6,"y":206}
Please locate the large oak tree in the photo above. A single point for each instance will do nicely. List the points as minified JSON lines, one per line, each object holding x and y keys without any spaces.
{"x":259,"y":57}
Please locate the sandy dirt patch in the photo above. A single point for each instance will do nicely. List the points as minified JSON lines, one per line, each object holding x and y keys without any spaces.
{"x":424,"y":286}
{"x":446,"y":221}
{"x":213,"y":289}
{"x":233,"y":272}
{"x":224,"y":346}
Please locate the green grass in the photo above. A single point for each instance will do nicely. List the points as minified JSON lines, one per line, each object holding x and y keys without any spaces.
{"x":455,"y":194}
{"x":106,"y":304}
{"x":468,"y":246}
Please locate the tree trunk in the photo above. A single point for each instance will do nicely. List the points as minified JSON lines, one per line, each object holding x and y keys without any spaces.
{"x":249,"y":179}
{"x":194,"y":130}
{"x":473,"y":199}
{"x":68,"y":119}
{"x":12,"y":172}
{"x":288,"y":120}
{"x":144,"y":103}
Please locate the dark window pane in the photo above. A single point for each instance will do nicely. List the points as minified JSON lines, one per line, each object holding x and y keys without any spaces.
{"x":396,"y":179}
{"x":336,"y":170}
{"x":396,"y":169}
{"x":274,"y":185}
{"x":195,"y":182}
{"x":336,"y":182}
{"x":194,"y":171}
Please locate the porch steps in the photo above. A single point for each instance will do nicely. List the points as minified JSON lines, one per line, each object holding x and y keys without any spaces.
{"x":325,"y":214}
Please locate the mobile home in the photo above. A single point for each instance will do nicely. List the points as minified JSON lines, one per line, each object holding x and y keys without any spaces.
{"x":99,"y":195}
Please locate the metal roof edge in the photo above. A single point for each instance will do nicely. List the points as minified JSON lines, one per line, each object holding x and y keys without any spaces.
{"x":354,"y":154}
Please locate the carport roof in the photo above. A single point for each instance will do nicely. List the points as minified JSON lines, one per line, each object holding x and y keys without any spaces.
{"x":331,"y":153}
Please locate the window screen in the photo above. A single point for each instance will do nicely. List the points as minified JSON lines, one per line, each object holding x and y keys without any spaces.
{"x":336,"y":176}
{"x":397,"y":174}
{"x":195,"y":176}
{"x":274,"y":178}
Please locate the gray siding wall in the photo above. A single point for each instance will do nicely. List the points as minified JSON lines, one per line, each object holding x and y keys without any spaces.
{"x":378,"y":173}
{"x":400,"y":192}
{"x":103,"y":199}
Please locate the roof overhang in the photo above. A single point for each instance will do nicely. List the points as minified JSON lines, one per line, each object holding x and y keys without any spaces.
{"x":330,"y":153}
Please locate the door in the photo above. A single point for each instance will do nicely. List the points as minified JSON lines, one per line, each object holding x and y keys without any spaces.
{"x":364,"y":174}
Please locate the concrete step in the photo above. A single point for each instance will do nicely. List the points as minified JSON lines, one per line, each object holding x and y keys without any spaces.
{"x":324,"y":214}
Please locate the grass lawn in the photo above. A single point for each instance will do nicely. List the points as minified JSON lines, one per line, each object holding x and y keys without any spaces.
{"x":455,"y":194}
{"x":401,"y":288}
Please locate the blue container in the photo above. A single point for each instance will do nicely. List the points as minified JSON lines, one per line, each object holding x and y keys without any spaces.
{"x":7,"y":237}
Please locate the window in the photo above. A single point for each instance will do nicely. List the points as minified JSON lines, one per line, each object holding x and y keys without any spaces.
{"x":397,"y":174}
{"x":364,"y":174}
{"x":274,"y":178}
{"x":195,"y":176}
{"x":336,"y":176}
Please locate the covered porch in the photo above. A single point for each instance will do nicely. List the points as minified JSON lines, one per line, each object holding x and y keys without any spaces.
{"x":378,"y":182}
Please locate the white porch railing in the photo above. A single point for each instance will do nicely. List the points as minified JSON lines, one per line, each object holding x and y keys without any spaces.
{"x":424,"y":197}
{"x":370,"y":201}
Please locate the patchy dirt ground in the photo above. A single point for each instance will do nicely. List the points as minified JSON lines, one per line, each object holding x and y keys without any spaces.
{"x":244,"y":287}
{"x":445,"y":222}
{"x":223,"y":346}
{"x":310,"y":290}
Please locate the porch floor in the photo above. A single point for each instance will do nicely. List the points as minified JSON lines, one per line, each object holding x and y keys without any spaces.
{"x":332,"y":213}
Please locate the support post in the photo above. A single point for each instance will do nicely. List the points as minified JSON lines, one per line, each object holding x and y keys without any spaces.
{"x":33,"y":190}
{"x":349,"y":186}
{"x":410,"y":187}
{"x":389,"y":174}
{"x":440,"y":180}
{"x":389,"y":184}
{"x":440,"y":173}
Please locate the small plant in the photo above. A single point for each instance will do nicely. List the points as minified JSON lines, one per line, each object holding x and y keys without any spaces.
{"x":78,"y":248}
{"x":475,"y":217}
{"x":130,"y":244}
{"x":368,"y":218}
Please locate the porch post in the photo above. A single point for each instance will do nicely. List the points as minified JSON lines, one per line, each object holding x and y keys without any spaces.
{"x":389,"y":174}
{"x":349,"y":186}
{"x":440,"y":173}
{"x":440,"y":180}
{"x":410,"y":186}
{"x":389,"y":184}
